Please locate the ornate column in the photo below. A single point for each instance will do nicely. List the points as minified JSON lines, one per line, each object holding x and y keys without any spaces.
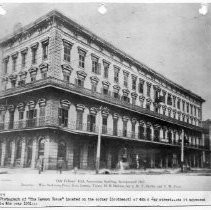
{"x":34,"y":152}
{"x":3,"y":152}
{"x":13,"y":153}
{"x":23,"y":149}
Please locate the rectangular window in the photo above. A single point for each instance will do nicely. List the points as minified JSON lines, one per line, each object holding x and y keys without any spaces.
{"x":133,"y":101}
{"x":95,"y":65}
{"x":106,"y":68}
{"x":14,"y":64}
{"x":178,"y":104}
{"x":148,"y":106}
{"x":174,"y":101}
{"x":148,"y":90}
{"x":23,"y":60}
{"x":67,"y":50}
{"x":169,"y":99}
{"x":5,"y":66}
{"x":183,"y":106}
{"x":126,"y":99}
{"x":187,"y":107}
{"x":34,"y":55}
{"x":126,"y":80}
{"x":82,"y":55}
{"x":79,"y":120}
{"x":191,"y":109}
{"x":116,"y":75}
{"x":45,"y":50}
{"x":134,"y":83}
{"x":194,"y":111}
{"x":141,"y":87}
{"x":133,"y":130}
{"x":63,"y":117}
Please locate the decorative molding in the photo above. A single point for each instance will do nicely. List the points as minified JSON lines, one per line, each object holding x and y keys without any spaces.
{"x":45,"y":41}
{"x":6,"y":59}
{"x":125,"y":92}
{"x":21,"y":107}
{"x":134,"y":95}
{"x":141,"y":81}
{"x":94,"y":79}
{"x":42,"y":102}
{"x":106,"y":83}
{"x":35,"y":45}
{"x":66,"y":68}
{"x":116,"y":88}
{"x":31,"y":104}
{"x":81,"y":74}
{"x":125,"y":118}
{"x":82,"y":50}
{"x":14,"y":55}
{"x":93,"y":110}
{"x":80,"y":107}
{"x":24,"y":51}
{"x":67,"y":42}
{"x":134,"y":120}
{"x":43,"y":67}
{"x":116,"y":116}
{"x":126,"y":73}
{"x":142,"y":122}
{"x":134,"y":76}
{"x":13,"y":77}
{"x":2,"y":107}
{"x":11,"y":107}
{"x":149,"y":100}
{"x":65,"y":103}
{"x":33,"y":70}
{"x":141,"y":98}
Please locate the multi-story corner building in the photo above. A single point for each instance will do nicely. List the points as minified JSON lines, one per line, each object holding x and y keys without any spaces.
{"x":207,"y":140}
{"x":58,"y":79}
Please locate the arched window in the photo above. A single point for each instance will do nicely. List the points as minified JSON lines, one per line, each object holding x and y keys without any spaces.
{"x":141,"y":132}
{"x":18,"y":149}
{"x":157,"y":134}
{"x":149,"y":133}
{"x":62,"y":150}
{"x":169,"y":136}
{"x":41,"y":147}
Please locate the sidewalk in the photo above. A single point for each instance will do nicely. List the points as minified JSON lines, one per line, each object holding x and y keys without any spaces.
{"x":150,"y":171}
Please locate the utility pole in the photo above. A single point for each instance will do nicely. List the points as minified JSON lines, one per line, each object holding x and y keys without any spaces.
{"x":182,"y":151}
{"x":99,"y":141}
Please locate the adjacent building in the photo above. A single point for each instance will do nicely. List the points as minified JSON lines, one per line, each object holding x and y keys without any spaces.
{"x":58,"y":80}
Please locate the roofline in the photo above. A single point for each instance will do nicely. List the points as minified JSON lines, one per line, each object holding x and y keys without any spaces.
{"x":83,"y":29}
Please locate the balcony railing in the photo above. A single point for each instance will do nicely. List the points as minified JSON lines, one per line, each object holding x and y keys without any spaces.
{"x":75,"y":126}
{"x":88,"y":93}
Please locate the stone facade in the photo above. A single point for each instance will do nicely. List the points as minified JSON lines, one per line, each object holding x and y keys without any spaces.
{"x":55,"y":79}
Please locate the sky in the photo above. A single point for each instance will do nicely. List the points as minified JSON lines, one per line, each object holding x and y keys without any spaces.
{"x":172,"y":39}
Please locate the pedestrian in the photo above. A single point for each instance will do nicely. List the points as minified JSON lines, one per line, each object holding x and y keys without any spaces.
{"x":60,"y":165}
{"x":145,"y":164}
{"x":40,"y":165}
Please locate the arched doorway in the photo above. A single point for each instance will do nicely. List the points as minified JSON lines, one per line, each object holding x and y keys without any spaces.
{"x":41,"y":148}
{"x":8,"y":152}
{"x":62,"y":148}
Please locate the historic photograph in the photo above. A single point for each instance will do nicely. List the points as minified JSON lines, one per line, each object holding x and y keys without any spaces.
{"x":105,"y":89}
